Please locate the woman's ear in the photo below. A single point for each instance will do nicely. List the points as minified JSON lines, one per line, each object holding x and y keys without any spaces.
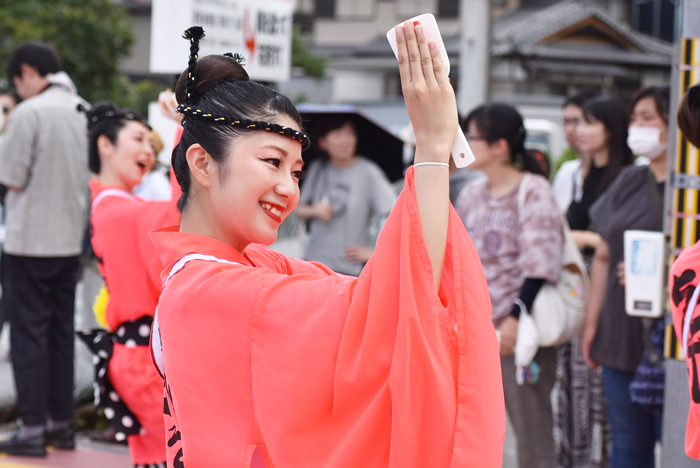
{"x":501,"y":150}
{"x":105,"y":147}
{"x":201,"y":164}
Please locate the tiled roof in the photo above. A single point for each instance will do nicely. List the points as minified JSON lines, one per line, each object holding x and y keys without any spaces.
{"x":521,"y":33}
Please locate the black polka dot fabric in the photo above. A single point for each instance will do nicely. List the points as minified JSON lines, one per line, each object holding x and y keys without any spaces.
{"x":107,"y":400}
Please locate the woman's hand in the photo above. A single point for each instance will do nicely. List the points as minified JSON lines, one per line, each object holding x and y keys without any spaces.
{"x":430,"y":99}
{"x":621,"y":273}
{"x":323,"y":211}
{"x":168,"y":105}
{"x":509,"y":334}
{"x":358,"y":253}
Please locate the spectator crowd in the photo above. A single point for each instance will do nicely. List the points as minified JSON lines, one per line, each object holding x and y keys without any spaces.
{"x":593,"y":399}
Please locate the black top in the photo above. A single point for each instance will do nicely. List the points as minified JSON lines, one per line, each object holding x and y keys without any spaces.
{"x":577,"y":214}
{"x":628,"y":204}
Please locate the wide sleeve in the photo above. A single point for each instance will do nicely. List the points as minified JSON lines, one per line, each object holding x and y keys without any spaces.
{"x":17,"y":147}
{"x":540,"y":233}
{"x":381,"y":371}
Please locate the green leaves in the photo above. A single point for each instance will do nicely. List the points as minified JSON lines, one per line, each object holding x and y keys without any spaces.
{"x":92,"y":37}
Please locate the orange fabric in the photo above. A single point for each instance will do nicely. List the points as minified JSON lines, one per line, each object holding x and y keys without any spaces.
{"x":127,"y":259}
{"x":684,"y":277}
{"x":319,"y":369}
{"x":139,"y":386}
{"x":131,"y":270}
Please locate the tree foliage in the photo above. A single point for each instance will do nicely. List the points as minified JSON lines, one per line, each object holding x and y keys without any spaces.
{"x":92,"y":37}
{"x":303,"y":57}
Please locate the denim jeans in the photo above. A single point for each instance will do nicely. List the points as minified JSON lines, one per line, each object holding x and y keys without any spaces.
{"x":634,"y":430}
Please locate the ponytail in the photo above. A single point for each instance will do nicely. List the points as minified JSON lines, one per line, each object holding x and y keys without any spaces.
{"x":502,"y":121}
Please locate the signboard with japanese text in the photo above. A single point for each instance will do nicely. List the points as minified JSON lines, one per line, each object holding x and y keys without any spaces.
{"x":259,"y":30}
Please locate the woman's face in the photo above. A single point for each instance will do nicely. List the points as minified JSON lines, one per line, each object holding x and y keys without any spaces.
{"x":131,"y":157}
{"x":592,"y":136}
{"x":340,"y":144}
{"x":645,"y":114}
{"x":257,"y":187}
{"x":485,"y":153}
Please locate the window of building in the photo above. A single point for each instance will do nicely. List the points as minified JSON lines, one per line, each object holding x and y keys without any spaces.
{"x":407,"y":8}
{"x":448,"y":8}
{"x":354,"y":9}
{"x":654,"y":17}
{"x":325,"y":8}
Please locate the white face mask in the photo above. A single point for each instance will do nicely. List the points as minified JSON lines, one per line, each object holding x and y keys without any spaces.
{"x":645,"y":141}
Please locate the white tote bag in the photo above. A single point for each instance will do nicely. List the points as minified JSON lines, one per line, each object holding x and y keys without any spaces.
{"x":559,"y":308}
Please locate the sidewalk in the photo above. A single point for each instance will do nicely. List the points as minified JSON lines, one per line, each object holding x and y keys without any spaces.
{"x":87,"y":455}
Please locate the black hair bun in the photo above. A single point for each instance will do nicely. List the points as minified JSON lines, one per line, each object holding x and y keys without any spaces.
{"x":106,"y":110}
{"x":101,"y":110}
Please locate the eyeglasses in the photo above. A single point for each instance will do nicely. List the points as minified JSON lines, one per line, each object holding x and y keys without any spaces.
{"x":471,"y":138}
{"x":572,"y":121}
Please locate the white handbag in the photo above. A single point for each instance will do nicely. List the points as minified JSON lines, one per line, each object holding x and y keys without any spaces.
{"x":559,"y":308}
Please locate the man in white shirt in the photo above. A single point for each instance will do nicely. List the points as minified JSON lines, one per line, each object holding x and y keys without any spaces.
{"x":43,"y":163}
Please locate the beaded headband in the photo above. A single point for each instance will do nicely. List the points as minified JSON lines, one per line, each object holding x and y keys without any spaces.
{"x":194,"y":35}
{"x":113,"y":114}
{"x":302,"y":138}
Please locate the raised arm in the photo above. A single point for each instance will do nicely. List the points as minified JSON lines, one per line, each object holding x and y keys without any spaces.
{"x":431,"y":105}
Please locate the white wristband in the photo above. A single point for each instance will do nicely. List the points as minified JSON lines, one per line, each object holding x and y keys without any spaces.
{"x":431,"y":164}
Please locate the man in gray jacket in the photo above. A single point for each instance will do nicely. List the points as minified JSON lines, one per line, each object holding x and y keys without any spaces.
{"x":43,"y":163}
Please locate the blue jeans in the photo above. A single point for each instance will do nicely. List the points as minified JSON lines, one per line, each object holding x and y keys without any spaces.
{"x":634,"y":430}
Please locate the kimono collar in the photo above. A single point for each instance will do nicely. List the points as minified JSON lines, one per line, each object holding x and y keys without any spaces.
{"x":96,"y":188}
{"x":172,"y":245}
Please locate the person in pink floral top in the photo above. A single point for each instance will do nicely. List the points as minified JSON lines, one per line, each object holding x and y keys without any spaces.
{"x":519,"y":253}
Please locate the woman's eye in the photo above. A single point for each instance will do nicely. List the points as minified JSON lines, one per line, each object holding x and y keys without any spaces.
{"x":274,"y":161}
{"x":298,"y":175}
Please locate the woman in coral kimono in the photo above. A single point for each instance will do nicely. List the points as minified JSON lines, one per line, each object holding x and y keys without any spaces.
{"x":274,"y":361}
{"x":129,"y":391}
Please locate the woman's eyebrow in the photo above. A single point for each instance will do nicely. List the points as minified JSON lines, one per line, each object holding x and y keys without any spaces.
{"x":277,"y":148}
{"x":284,"y":153}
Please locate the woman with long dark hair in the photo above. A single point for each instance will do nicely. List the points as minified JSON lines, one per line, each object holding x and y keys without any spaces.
{"x":612,"y":339}
{"x":579,"y":410}
{"x":521,"y":248}
{"x":602,"y":135}
{"x":273,"y":360}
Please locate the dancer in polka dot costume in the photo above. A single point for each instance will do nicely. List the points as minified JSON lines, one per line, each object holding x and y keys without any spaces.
{"x":127,"y":388}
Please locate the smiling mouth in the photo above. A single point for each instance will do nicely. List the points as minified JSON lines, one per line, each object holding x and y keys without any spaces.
{"x":272,"y":209}
{"x":141,"y":165}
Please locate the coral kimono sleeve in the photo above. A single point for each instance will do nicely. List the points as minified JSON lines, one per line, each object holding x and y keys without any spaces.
{"x":382,"y":371}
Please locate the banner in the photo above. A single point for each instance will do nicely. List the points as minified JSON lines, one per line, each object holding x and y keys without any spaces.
{"x":261,"y":31}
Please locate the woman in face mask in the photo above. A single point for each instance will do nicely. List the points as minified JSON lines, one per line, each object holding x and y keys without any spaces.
{"x":612,"y":339}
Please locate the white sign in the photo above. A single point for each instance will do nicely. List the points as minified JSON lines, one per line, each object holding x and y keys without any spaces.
{"x":644,"y":273}
{"x":259,"y":30}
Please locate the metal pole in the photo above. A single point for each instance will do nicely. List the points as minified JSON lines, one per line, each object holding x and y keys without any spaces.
{"x":474,"y":54}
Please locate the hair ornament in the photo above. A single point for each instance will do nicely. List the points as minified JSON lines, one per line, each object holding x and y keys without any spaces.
{"x":95,"y":118}
{"x":194,"y":34}
{"x":237,"y":57}
{"x":188,"y":110}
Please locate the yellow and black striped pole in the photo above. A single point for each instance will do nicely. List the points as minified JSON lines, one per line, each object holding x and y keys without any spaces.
{"x":684,"y":222}
{"x":682,"y":226}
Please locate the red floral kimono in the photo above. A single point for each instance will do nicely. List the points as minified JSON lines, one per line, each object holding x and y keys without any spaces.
{"x":269,"y":356}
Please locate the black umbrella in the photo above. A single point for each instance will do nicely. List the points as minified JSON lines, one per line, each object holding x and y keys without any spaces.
{"x":374,"y":141}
